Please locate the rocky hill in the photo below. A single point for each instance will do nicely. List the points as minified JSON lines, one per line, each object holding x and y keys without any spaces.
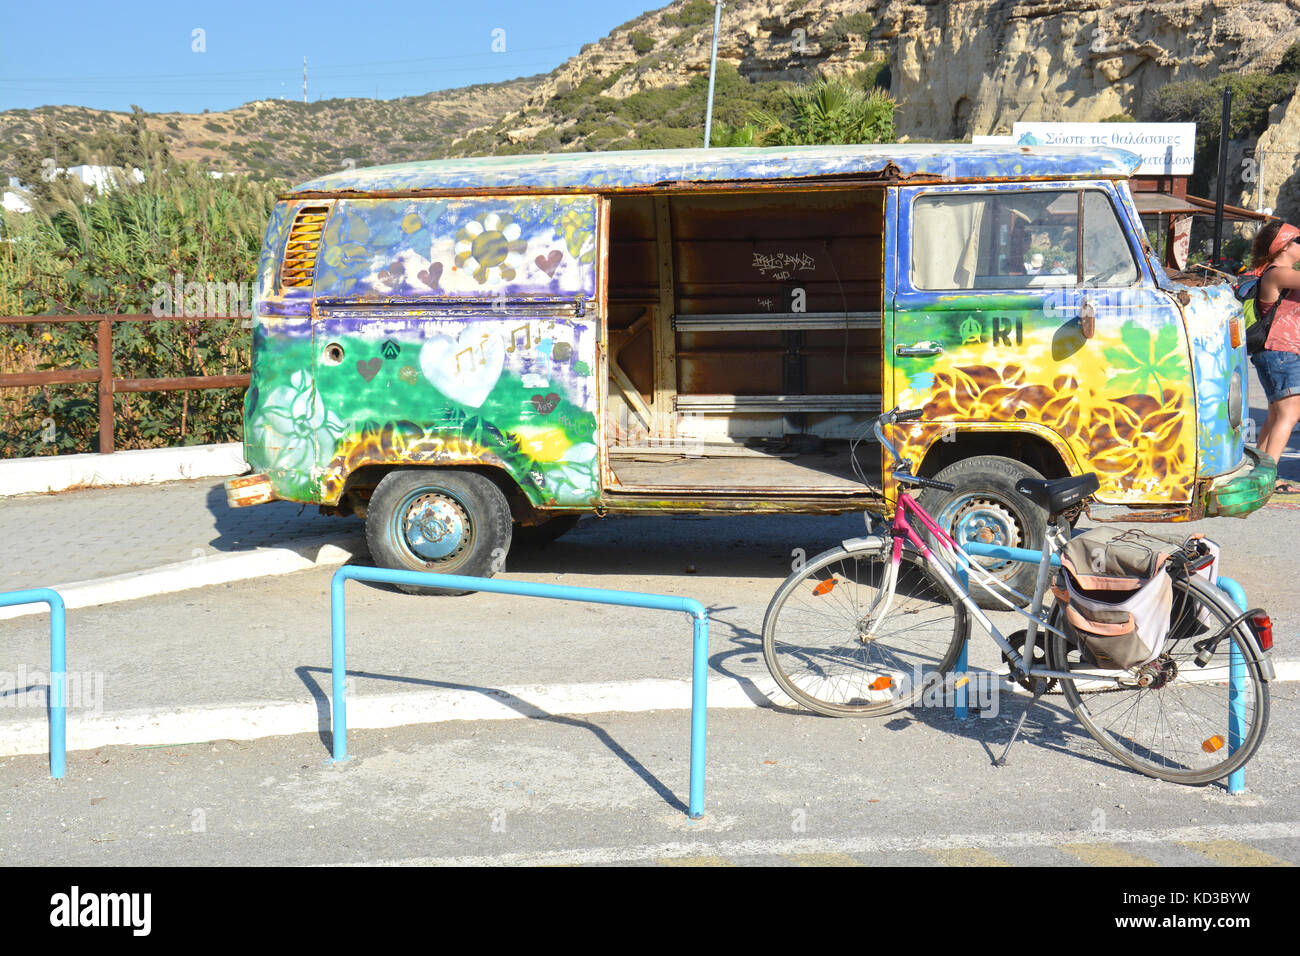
{"x":282,"y":138}
{"x":956,"y":67}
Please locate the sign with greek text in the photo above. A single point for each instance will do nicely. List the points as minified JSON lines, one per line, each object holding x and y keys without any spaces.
{"x":1167,"y":149}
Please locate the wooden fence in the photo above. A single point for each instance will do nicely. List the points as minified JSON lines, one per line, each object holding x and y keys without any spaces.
{"x":103,"y":372}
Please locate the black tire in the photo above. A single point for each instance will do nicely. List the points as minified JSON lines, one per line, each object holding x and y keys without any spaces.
{"x":815,"y":648}
{"x":1176,"y":729}
{"x":986,"y":492}
{"x":540,"y":535}
{"x":438,"y":519}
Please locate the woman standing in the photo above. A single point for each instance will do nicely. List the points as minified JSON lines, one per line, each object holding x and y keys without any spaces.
{"x":1275,"y":252}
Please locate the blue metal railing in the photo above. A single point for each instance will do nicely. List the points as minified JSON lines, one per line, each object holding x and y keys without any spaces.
{"x":1236,"y":664}
{"x":58,"y":670}
{"x":657,"y":602}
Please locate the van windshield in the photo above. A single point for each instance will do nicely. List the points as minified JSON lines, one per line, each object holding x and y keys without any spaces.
{"x":1023,"y":240}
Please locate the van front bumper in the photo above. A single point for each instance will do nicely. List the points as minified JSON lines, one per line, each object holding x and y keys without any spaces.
{"x":1247,"y":489}
{"x":249,"y":490}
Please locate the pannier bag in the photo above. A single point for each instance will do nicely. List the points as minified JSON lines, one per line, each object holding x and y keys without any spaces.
{"x":1117,"y":596}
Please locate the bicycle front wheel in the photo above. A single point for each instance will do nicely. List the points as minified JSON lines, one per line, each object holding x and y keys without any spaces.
{"x":1173,"y":719}
{"x":840,"y":643}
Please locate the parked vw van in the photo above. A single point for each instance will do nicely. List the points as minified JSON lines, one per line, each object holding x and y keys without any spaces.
{"x":458,"y":350}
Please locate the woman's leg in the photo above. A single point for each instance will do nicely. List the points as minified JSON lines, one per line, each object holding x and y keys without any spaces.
{"x":1267,"y":427}
{"x":1282,"y":418}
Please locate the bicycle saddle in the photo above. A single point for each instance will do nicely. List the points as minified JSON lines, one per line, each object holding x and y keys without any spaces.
{"x":1054,"y":495}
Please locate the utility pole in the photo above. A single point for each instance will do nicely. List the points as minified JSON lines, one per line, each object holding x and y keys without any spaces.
{"x":1224,"y":125}
{"x":713,"y":70}
{"x":304,"y":79}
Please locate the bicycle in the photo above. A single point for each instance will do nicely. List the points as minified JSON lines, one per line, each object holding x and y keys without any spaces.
{"x":865,"y":628}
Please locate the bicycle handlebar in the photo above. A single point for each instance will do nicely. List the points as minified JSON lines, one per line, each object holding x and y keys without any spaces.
{"x":903,"y":474}
{"x":907,"y":478}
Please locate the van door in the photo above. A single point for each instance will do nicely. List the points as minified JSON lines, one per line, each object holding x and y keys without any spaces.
{"x":462,"y":332}
{"x":1026,"y":309}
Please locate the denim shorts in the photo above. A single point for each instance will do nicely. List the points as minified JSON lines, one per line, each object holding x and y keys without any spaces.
{"x":1279,"y":373}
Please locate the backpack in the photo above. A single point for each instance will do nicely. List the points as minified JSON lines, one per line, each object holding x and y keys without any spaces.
{"x":1257,"y":324}
{"x":1116,"y":595}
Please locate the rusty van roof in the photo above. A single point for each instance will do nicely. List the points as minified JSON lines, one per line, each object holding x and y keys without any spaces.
{"x":623,"y":171}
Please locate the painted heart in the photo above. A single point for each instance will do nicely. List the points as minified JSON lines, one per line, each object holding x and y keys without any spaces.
{"x":431,"y":275}
{"x":549,"y":263}
{"x":464,"y":369}
{"x":545,"y":404}
{"x":369,"y":369}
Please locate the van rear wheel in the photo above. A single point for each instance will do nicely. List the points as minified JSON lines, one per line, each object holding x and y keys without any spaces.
{"x":985,"y":506}
{"x":434,"y":519}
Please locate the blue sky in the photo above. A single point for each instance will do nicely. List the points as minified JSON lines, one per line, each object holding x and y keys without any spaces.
{"x":110,"y":55}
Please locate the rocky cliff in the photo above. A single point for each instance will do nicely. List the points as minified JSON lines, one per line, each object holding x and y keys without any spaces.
{"x":957,"y":67}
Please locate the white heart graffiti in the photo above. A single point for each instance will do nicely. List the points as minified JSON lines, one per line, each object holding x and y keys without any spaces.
{"x":466,"y":368}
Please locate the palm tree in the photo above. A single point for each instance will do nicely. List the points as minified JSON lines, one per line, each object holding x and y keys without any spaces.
{"x":828,"y":111}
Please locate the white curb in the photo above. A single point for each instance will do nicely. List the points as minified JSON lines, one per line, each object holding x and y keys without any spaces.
{"x":319,"y":551}
{"x":24,"y":476}
{"x":253,"y":720}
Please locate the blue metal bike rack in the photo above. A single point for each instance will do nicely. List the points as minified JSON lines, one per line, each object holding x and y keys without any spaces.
{"x":657,"y":602}
{"x":58,"y":669}
{"x":1236,"y":664}
{"x":1236,"y":687}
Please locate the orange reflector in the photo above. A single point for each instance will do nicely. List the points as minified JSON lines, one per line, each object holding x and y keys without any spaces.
{"x":882,"y":683}
{"x":825,"y":587}
{"x":962,"y":682}
{"x":1236,"y":325}
{"x":1213,"y":744}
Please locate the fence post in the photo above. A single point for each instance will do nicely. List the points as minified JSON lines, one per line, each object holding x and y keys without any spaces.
{"x":104,"y":342}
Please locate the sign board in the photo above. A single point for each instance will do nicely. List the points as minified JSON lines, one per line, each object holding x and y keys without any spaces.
{"x":1167,"y":149}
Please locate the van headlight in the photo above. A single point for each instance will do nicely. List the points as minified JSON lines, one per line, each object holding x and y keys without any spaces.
{"x":1234,"y":400}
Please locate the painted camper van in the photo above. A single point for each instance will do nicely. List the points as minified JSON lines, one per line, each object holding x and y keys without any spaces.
{"x":465,"y":350}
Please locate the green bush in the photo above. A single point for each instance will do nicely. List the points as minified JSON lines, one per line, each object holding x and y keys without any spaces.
{"x":839,"y":33}
{"x":1201,"y":102}
{"x":693,"y":14}
{"x":828,"y":111}
{"x":642,"y":43}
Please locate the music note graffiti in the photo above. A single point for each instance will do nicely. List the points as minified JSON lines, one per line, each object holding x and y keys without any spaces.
{"x":514,"y":334}
{"x":470,"y":353}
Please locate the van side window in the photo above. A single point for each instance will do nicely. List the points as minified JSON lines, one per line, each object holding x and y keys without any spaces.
{"x":1021,"y":240}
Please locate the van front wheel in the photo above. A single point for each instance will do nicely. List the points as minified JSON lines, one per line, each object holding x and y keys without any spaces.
{"x":431,"y":519}
{"x":985,"y":506}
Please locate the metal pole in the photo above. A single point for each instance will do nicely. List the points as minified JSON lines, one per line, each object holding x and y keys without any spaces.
{"x":659,"y":602}
{"x":58,"y":701}
{"x":713,"y":70}
{"x":1224,"y":123}
{"x":1236,"y":688}
{"x":338,"y":669}
{"x":699,"y":714}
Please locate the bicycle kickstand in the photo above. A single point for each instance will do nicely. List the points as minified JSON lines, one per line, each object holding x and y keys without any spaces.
{"x":1040,"y":688}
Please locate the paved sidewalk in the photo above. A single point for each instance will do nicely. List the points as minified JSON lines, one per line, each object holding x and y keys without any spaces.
{"x":781,"y":789}
{"x":99,"y":532}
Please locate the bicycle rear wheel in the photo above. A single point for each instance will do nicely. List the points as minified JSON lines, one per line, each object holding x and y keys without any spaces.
{"x":828,"y":652}
{"x":1180,"y":727}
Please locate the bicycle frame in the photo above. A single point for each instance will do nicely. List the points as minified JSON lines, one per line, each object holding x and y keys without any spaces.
{"x":903,"y":532}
